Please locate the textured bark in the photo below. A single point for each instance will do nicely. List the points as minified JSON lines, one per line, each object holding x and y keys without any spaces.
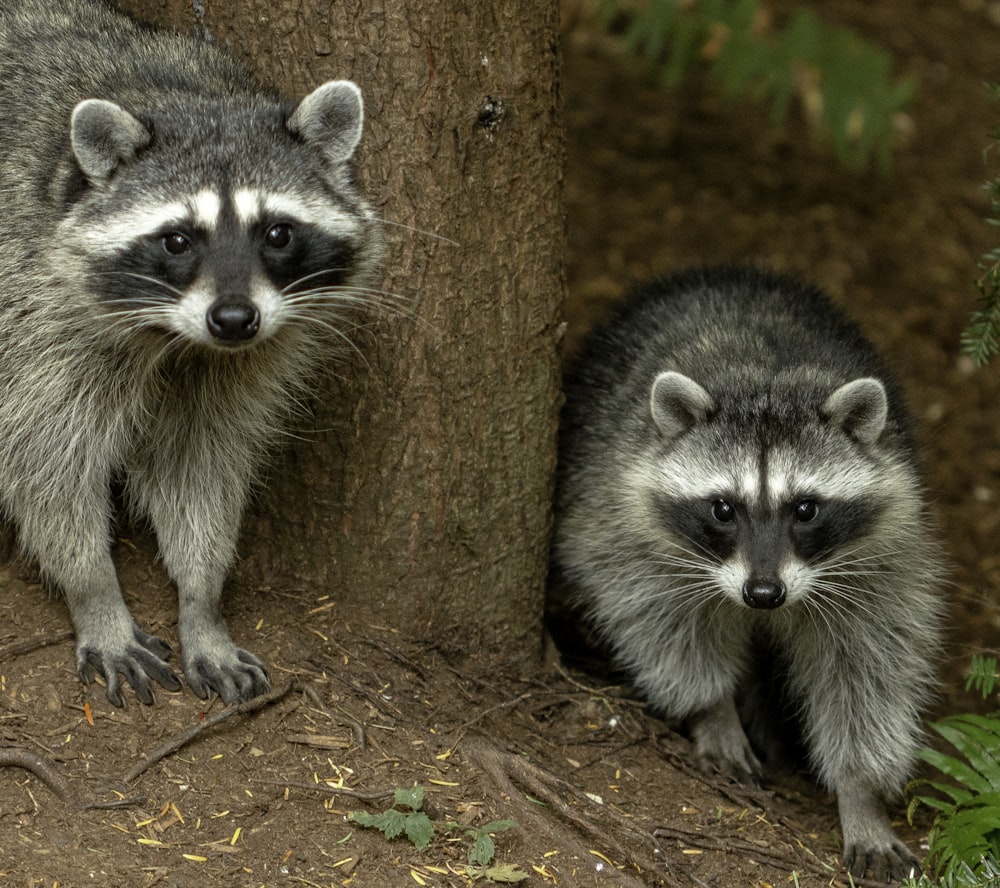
{"x":419,"y":493}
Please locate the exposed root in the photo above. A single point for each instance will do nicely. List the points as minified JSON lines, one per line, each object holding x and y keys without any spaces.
{"x":517,"y":778}
{"x":14,"y":757}
{"x":181,"y":740}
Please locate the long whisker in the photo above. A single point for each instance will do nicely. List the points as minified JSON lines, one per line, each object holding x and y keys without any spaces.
{"x":420,"y":231}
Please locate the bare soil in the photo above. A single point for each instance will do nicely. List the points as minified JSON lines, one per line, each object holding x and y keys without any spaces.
{"x":602,"y":792}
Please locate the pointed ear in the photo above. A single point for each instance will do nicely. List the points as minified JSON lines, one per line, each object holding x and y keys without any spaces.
{"x":103,"y":135}
{"x":678,"y":403}
{"x":860,"y":408}
{"x":331,"y":118}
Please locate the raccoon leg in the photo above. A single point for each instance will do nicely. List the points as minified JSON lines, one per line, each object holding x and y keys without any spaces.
{"x":869,"y":842}
{"x":109,"y":643}
{"x":720,"y":743}
{"x":210,"y":658}
{"x":196,"y":527}
{"x":70,"y":541}
{"x":861,"y":696}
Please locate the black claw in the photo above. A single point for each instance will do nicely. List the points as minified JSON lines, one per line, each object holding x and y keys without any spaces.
{"x":233,"y":684}
{"x":156,"y":646}
{"x":138,"y":666}
{"x":156,"y":669}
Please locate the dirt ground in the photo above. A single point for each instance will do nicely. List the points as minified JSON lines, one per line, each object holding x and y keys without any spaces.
{"x":602,"y":793}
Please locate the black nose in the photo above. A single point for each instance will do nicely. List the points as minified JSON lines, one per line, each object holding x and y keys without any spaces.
{"x":764,"y":593}
{"x":233,"y":321}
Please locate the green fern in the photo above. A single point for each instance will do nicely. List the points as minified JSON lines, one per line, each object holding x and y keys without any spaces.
{"x":843,"y":83}
{"x":965,"y":838}
{"x":987,"y":877}
{"x":980,"y":339}
{"x":983,"y":675}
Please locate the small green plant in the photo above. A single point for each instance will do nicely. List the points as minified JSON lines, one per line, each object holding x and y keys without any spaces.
{"x":842,"y":83}
{"x":983,"y":675}
{"x":393,"y":822}
{"x":964,"y":841}
{"x":483,"y":850}
{"x":406,"y":817}
{"x":988,"y":877}
{"x":981,"y":338}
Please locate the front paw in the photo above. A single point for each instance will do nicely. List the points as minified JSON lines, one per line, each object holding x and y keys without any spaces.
{"x":889,"y":864}
{"x":720,"y":744}
{"x":140,"y":657}
{"x":231,"y":672}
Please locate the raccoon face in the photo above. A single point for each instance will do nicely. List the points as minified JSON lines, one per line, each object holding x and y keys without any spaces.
{"x":768,"y":519}
{"x":228,"y":270}
{"x":266,"y":236}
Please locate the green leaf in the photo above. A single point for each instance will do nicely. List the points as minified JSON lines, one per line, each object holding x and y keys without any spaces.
{"x":410,"y":798}
{"x":956,"y":769}
{"x":419,"y":829}
{"x":982,"y":675}
{"x":390,"y":823}
{"x":483,"y":848}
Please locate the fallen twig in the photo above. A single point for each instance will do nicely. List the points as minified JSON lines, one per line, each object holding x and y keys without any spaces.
{"x":129,"y":802}
{"x":181,"y":740}
{"x":356,"y":726}
{"x":20,"y":648}
{"x":364,"y":795}
{"x":730,"y":844}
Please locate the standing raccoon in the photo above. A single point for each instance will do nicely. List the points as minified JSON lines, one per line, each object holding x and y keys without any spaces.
{"x":179,"y":252}
{"x":737,"y":475}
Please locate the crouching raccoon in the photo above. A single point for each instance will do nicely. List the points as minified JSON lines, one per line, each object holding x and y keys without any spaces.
{"x":737,"y":475}
{"x":180,"y":248}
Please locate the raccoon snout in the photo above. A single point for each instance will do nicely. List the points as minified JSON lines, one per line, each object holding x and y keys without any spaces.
{"x":233,"y":321}
{"x":764,"y":593}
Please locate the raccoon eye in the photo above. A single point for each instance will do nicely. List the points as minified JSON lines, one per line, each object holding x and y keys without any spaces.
{"x":806,"y":510}
{"x":723,"y":511}
{"x":278,"y":236}
{"x":176,"y":243}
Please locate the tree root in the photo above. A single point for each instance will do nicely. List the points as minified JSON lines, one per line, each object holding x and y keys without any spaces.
{"x":17,"y":757}
{"x":14,"y":757}
{"x":517,"y":778}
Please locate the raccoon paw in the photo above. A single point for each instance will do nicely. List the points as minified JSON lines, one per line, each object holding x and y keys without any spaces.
{"x":720,"y":744}
{"x":141,"y":659}
{"x":236,"y":676}
{"x":891,"y":864}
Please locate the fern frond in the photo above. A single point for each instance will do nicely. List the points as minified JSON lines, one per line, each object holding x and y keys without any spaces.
{"x":965,"y":838}
{"x":842,"y":83}
{"x":983,"y":675}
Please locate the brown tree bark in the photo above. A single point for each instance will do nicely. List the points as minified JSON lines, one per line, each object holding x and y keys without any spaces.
{"x":419,"y":494}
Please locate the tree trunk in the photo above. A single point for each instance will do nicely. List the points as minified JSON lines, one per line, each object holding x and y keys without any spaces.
{"x":418,"y":495}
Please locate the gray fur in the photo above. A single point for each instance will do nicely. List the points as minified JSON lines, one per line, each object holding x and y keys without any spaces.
{"x":108,"y":130}
{"x":102,"y":136}
{"x":737,"y":474}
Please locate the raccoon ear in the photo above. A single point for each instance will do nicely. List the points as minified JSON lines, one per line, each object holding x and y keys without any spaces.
{"x":860,"y":408}
{"x":678,"y":403}
{"x":331,"y":118}
{"x":103,"y":135}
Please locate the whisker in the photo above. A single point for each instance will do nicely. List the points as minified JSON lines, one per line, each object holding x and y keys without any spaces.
{"x":420,"y":231}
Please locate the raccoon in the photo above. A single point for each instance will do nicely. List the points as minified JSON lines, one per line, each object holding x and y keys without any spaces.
{"x":181,"y":248}
{"x":737,"y":476}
